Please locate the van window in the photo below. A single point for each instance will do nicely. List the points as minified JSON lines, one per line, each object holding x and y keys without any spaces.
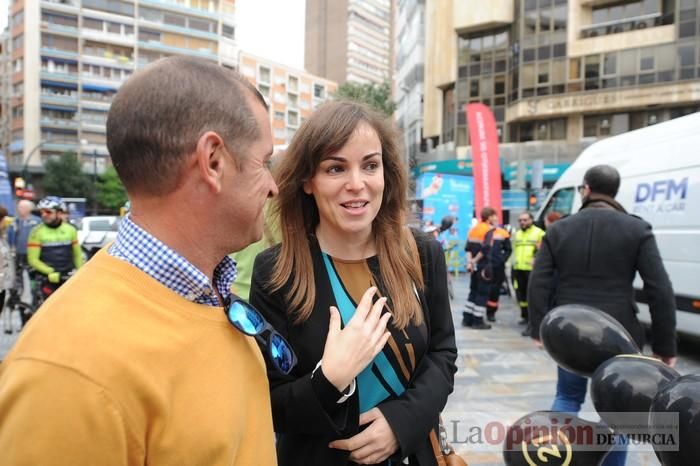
{"x":562,"y":201}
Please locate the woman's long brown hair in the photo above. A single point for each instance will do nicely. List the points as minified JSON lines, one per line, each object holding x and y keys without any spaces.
{"x":324,"y":133}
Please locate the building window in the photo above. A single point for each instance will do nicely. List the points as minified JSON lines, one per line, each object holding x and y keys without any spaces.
{"x":148,"y":35}
{"x":540,"y":130}
{"x":264,"y":75}
{"x":279,"y":116}
{"x":228,"y":31}
{"x":292,"y":100}
{"x":319,"y":91}
{"x":448,"y":114}
{"x":17,"y":18}
{"x":596,"y":126}
{"x":111,"y":6}
{"x":292,"y":118}
{"x":626,"y":16}
{"x":18,"y":42}
{"x":483,"y":63}
{"x":292,"y":84}
{"x":264,"y":89}
{"x":60,"y":20}
{"x":94,"y":24}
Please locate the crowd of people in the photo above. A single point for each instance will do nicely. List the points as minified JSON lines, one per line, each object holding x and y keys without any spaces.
{"x":45,"y":247}
{"x":344,"y":352}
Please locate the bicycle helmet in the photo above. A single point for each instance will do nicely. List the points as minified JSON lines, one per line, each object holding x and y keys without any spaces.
{"x":53,"y":203}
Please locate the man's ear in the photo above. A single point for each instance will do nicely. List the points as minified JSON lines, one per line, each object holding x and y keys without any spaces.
{"x":211,"y":159}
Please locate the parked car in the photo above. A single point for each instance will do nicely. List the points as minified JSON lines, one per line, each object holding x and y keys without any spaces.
{"x":96,"y":232}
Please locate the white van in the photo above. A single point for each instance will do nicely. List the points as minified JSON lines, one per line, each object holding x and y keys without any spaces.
{"x":660,"y":170}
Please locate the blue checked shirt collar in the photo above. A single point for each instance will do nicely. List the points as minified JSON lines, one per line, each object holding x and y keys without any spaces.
{"x":145,"y":252}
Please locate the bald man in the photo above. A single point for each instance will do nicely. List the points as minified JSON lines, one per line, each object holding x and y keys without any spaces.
{"x":19,"y":231}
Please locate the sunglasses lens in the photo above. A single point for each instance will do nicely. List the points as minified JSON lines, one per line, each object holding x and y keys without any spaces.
{"x":281,"y":353}
{"x":247,"y":319}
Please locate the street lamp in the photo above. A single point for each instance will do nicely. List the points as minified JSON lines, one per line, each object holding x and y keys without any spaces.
{"x":25,"y":167}
{"x":93,"y":190}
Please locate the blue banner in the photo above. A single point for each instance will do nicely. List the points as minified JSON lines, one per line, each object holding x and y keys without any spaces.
{"x":448,"y":195}
{"x":7,"y":198}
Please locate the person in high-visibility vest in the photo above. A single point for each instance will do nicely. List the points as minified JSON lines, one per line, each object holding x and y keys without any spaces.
{"x":525,"y":245}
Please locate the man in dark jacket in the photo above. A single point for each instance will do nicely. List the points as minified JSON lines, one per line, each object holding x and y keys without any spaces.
{"x":595,"y":256}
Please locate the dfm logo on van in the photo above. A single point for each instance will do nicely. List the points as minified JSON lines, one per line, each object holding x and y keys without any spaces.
{"x":661,"y":196}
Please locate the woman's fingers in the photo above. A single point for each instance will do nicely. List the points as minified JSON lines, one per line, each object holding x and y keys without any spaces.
{"x":380,"y":328}
{"x":364,"y":306}
{"x":381,"y":343}
{"x":333,"y":323}
{"x":375,"y":313}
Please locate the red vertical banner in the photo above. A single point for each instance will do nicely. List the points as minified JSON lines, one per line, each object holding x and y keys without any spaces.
{"x":486,"y":167}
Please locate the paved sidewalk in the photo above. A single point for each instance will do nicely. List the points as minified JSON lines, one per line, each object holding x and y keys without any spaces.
{"x":502,"y":376}
{"x":7,"y":340}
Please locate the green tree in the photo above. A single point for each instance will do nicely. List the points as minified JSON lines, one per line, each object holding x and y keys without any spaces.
{"x":64,"y":177}
{"x":377,"y":96}
{"x":111,"y":193}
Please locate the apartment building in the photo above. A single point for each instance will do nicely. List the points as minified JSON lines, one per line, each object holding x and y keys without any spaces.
{"x":559,"y":74}
{"x":408,"y":75}
{"x":69,"y":58}
{"x":349,"y":40}
{"x":292,"y":94}
{"x":4,"y":92}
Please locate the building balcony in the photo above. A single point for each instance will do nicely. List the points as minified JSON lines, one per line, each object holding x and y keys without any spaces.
{"x":119,"y":61}
{"x":111,"y":38}
{"x":172,"y":6}
{"x":89,"y":150}
{"x":65,"y":6}
{"x":93,"y":104}
{"x":626,"y":25}
{"x":94,"y":126}
{"x":59,"y":123}
{"x":101,"y":83}
{"x":59,"y":99}
{"x":180,"y":30}
{"x":59,"y":76}
{"x":61,"y":146}
{"x":178,"y":50}
{"x":63,"y":30}
{"x":597,"y":3}
{"x":491,"y":14}
{"x":49,"y":52}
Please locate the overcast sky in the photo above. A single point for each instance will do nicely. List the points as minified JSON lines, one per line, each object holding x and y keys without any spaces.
{"x":3,"y":14}
{"x":272,"y":29}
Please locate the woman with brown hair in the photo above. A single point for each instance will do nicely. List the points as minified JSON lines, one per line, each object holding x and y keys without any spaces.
{"x":372,"y":374}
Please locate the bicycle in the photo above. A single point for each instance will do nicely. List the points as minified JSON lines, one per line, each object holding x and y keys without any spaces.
{"x":41,"y":290}
{"x":15,"y":304}
{"x":44,"y":288}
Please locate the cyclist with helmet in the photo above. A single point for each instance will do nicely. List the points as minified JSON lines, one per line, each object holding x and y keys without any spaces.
{"x":52,"y":247}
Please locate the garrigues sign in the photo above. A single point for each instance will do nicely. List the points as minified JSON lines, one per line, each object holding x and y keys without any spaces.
{"x":571,"y":104}
{"x":611,"y":100}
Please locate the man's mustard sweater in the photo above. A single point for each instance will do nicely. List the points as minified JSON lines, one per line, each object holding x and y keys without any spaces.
{"x":116,"y":369}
